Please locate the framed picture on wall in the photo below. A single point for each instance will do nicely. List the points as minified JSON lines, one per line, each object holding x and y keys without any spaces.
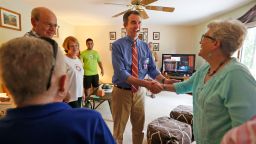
{"x":56,"y":33}
{"x":10,"y":19}
{"x":155,"y":46}
{"x":141,"y":36}
{"x":123,"y":32}
{"x":110,"y":46}
{"x":112,"y":35}
{"x":156,"y":35}
{"x":145,"y":34}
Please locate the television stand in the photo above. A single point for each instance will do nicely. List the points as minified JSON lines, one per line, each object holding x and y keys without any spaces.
{"x":182,"y":78}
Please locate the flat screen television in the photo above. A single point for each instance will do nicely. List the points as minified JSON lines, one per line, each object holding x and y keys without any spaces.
{"x":178,"y":64}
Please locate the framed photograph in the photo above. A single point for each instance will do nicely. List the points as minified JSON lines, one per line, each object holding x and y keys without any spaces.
{"x":110,"y":46}
{"x":145,"y":34}
{"x":141,"y":36}
{"x":123,"y":32}
{"x":112,"y":35}
{"x":145,"y":30}
{"x":156,"y":35}
{"x":10,"y":19}
{"x":155,"y":46}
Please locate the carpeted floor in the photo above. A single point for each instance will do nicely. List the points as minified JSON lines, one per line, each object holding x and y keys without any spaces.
{"x":156,"y":107}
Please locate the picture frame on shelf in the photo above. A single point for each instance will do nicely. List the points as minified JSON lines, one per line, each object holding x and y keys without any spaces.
{"x":155,"y":46}
{"x":156,"y":35}
{"x":112,"y":35}
{"x":10,"y":19}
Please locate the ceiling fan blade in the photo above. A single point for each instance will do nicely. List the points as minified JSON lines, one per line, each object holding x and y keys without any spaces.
{"x":159,"y":8}
{"x":116,"y":4}
{"x":146,"y":2}
{"x":143,"y":14}
{"x":120,"y":13}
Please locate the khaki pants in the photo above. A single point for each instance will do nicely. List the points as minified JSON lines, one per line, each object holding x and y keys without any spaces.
{"x":125,"y":104}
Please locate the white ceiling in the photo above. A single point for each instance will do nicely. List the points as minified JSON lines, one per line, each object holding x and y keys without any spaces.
{"x":95,"y":12}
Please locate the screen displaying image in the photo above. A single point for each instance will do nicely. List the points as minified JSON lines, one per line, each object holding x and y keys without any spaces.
{"x":178,"y":64}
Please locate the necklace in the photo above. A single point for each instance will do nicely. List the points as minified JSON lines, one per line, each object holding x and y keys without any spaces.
{"x":211,"y":74}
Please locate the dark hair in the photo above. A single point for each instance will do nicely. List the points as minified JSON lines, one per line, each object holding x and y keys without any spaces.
{"x":89,"y":39}
{"x":127,"y":14}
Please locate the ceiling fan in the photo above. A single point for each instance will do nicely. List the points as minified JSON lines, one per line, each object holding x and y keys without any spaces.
{"x":141,"y":5}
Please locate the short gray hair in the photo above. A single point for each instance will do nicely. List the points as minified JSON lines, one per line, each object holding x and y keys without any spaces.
{"x":231,"y":33}
{"x":35,"y":13}
{"x":25,"y":65}
{"x":38,"y":11}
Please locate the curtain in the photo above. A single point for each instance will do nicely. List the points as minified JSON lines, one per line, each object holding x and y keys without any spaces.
{"x":249,"y":16}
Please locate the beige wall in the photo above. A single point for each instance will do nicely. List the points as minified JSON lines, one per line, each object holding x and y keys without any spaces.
{"x":173,"y":39}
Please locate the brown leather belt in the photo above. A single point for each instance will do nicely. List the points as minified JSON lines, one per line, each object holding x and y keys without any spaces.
{"x":123,"y":87}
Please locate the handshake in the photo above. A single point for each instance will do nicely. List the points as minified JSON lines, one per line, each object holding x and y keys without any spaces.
{"x":156,"y":87}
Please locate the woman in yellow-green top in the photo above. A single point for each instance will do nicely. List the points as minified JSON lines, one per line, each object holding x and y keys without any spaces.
{"x":90,"y":60}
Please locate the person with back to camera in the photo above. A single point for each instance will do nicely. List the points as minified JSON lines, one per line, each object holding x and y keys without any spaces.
{"x":224,"y":91}
{"x":75,"y":71}
{"x":34,"y":72}
{"x":132,"y":61}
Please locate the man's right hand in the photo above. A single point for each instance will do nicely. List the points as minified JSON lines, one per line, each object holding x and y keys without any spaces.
{"x":154,"y":86}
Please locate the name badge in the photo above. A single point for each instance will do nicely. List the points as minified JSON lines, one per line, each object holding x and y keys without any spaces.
{"x":145,"y":63}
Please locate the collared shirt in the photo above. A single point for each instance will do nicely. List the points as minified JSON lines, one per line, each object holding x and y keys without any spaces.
{"x":223,"y":102}
{"x":54,"y":123}
{"x":122,"y":61}
{"x":31,"y":34}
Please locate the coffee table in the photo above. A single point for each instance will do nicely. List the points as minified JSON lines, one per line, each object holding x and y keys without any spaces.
{"x":96,"y":101}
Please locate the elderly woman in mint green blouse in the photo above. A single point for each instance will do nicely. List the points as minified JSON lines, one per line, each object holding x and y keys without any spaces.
{"x":224,"y":91}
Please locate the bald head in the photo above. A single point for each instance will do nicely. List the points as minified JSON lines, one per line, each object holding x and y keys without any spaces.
{"x":44,"y":22}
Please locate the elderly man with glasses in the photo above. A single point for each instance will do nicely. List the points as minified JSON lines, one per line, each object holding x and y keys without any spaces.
{"x":44,"y":23}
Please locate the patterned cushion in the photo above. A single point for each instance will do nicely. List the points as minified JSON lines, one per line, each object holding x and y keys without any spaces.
{"x":183,"y":113}
{"x":165,"y":130}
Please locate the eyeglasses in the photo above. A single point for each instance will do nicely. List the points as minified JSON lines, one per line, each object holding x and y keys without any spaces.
{"x":54,"y":45}
{"x":209,"y":37}
{"x":49,"y":25}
